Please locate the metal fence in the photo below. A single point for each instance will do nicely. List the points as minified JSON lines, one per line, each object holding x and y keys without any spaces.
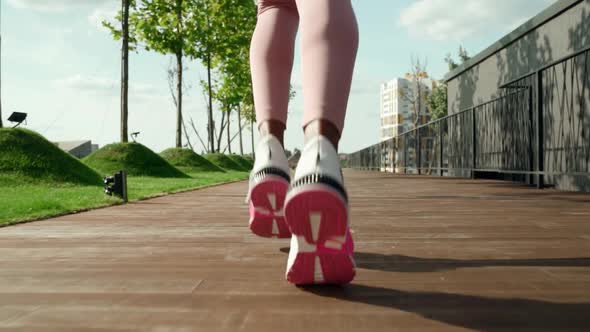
{"x":536,"y":130}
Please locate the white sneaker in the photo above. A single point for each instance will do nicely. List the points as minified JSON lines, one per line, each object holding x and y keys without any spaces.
{"x":269,"y":182}
{"x":316,"y":211}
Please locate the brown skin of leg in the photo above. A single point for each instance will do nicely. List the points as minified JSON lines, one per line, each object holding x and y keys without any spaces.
{"x":324,"y":128}
{"x":313,"y":129}
{"x":273,"y":127}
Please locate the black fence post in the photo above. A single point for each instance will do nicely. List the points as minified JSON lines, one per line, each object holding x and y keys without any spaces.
{"x":531,"y":177}
{"x":441,"y":137}
{"x":474,"y":143}
{"x":405,"y":155}
{"x":418,"y":152}
{"x":392,"y":154}
{"x":540,"y":128}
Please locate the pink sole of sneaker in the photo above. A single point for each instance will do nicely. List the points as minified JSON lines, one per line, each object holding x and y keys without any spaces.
{"x":322,"y":246}
{"x":266,"y":208}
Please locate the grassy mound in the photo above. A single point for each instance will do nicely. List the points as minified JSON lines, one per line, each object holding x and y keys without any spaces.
{"x":243,"y":162}
{"x":135,"y":158}
{"x":188,"y":161}
{"x":28,"y":156}
{"x":224,"y":162}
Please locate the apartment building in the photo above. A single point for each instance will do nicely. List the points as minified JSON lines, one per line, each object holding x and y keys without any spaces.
{"x":398,"y":98}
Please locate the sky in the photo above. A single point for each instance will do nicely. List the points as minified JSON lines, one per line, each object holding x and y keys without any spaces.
{"x":62,"y":67}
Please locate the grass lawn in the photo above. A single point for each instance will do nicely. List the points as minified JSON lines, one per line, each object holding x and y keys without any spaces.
{"x":143,"y":187}
{"x":30,"y":201}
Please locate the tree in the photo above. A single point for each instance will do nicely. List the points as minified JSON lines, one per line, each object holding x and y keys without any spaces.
{"x":418,"y":95}
{"x":437,"y":102}
{"x":231,"y":24}
{"x":224,"y":46}
{"x":172,"y":75}
{"x":249,"y":112}
{"x":128,"y":41}
{"x":126,"y":4}
{"x":168,"y":27}
{"x":227,"y":94}
{"x":463,"y":57}
{"x":204,"y":47}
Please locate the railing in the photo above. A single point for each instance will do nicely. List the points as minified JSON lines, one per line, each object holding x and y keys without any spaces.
{"x":536,"y":131}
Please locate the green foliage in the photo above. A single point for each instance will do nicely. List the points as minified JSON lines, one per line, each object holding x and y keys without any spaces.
{"x":437,"y":102}
{"x":232,"y":24}
{"x":344,"y":163}
{"x":26,"y":156}
{"x":463,"y":57}
{"x":230,"y":28}
{"x":165,"y":26}
{"x":188,"y":161}
{"x":117,"y":32}
{"x":218,"y":31}
{"x":224,"y":162}
{"x":243,"y":162}
{"x":134,"y":158}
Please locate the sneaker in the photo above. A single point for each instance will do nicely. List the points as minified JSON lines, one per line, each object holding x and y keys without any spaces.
{"x":269,"y":182}
{"x":317,"y":214}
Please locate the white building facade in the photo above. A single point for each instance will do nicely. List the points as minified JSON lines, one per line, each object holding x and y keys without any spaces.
{"x":397,"y":114}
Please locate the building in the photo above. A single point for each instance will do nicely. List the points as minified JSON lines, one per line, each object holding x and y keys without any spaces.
{"x":545,"y":66}
{"x":78,"y":149}
{"x":397,"y":106}
{"x":397,"y":112}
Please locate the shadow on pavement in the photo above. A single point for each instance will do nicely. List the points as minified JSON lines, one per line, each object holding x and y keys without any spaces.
{"x":400,"y":263}
{"x":473,"y":312}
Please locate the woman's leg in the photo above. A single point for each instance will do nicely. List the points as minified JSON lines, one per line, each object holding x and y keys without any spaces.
{"x":316,"y":208}
{"x":329,"y":42}
{"x":271,"y":59}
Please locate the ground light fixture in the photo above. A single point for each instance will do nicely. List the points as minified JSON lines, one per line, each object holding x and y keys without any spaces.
{"x":18,"y":118}
{"x":134,"y":136}
{"x":116,"y":185}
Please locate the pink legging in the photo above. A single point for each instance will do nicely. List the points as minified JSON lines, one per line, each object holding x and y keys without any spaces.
{"x":329,"y":42}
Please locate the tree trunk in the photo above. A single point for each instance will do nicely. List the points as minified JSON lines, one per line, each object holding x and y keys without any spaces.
{"x":125,"y":73}
{"x":188,"y":141}
{"x":179,"y":71}
{"x":221,"y":132}
{"x":231,"y":140}
{"x":206,"y":147}
{"x":419,"y":101}
{"x":240,"y":129}
{"x":211,"y":133}
{"x":228,"y":130}
{"x":179,"y":98}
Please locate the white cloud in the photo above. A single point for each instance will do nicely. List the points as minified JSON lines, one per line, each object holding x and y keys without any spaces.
{"x":55,"y":5}
{"x":95,"y":84}
{"x":452,"y":20}
{"x":87,"y":83}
